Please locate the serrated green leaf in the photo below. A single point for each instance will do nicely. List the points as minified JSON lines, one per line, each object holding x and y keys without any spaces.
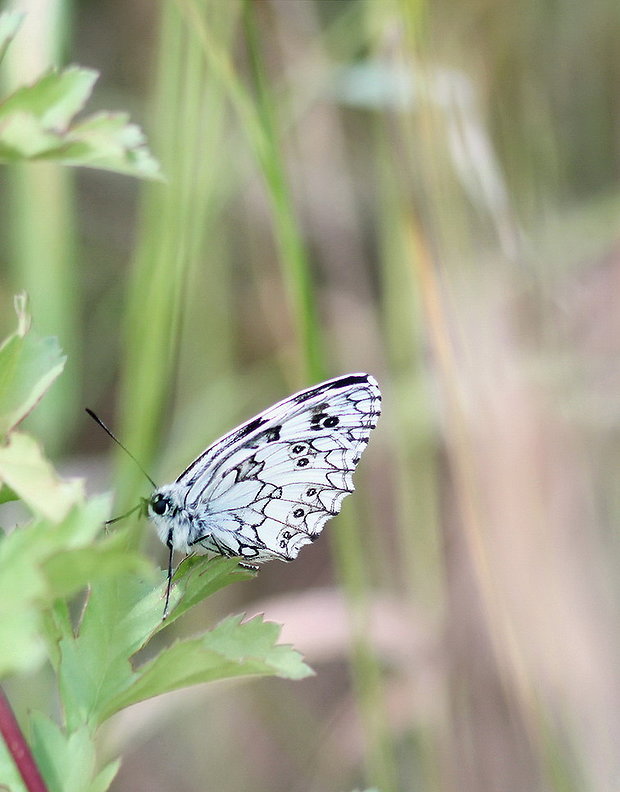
{"x":23,"y":137}
{"x":53,"y":100}
{"x":96,"y":676}
{"x":197,"y":578}
{"x":94,"y":664}
{"x":24,"y":469}
{"x":108,"y":141}
{"x":28,"y":366}
{"x":10,"y":22}
{"x":119,"y":619}
{"x":105,"y":141}
{"x":66,"y":761}
{"x":24,"y":590}
{"x":37,"y":123}
{"x":230,"y":650}
{"x":121,"y":615}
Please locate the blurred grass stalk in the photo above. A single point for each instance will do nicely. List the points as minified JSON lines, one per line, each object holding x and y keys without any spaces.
{"x":443,"y":141}
{"x":348,"y":549}
{"x":42,"y":225}
{"x":261,"y":129}
{"x":175,"y":219}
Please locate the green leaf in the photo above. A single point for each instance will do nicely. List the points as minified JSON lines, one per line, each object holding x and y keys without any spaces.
{"x":28,"y":366}
{"x":71,"y":570}
{"x":94,"y":664}
{"x":52,"y":100}
{"x":197,"y":578}
{"x":66,"y":761}
{"x":230,"y":650}
{"x":25,"y":593}
{"x":10,"y":22}
{"x":96,"y":676}
{"x":108,"y":141}
{"x":120,"y":617}
{"x":24,"y":469}
{"x":37,"y":123}
{"x":104,"y":779}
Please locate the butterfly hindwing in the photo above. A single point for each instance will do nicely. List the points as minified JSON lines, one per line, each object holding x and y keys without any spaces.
{"x":268,"y":487}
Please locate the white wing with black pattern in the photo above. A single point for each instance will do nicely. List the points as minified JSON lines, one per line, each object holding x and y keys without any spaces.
{"x":267,"y":488}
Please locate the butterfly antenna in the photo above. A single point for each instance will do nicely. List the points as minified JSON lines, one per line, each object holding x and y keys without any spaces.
{"x":122,"y":516}
{"x":116,"y":440}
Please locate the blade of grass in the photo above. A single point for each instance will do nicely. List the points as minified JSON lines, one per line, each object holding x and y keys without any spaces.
{"x":259,"y":126}
{"x":347,"y":546}
{"x":169,"y":262}
{"x":346,"y":542}
{"x":293,"y":258}
{"x":213,"y":183}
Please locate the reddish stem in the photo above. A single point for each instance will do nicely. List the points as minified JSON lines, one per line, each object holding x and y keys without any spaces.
{"x":18,"y":748}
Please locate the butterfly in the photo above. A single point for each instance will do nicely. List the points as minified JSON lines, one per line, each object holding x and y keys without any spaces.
{"x":267,"y":488}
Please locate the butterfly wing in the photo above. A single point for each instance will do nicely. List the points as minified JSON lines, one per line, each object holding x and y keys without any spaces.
{"x":268,"y":487}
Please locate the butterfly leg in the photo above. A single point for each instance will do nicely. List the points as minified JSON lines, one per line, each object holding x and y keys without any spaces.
{"x":169,"y":584}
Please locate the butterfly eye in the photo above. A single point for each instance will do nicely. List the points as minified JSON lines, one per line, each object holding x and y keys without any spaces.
{"x":160,"y":504}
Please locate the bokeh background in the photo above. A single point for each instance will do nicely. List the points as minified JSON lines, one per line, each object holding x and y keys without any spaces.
{"x":425,"y":191}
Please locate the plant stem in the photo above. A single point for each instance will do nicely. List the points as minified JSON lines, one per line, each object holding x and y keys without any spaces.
{"x":19,"y":748}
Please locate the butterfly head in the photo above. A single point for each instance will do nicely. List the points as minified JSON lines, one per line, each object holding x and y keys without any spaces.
{"x":165,"y":510}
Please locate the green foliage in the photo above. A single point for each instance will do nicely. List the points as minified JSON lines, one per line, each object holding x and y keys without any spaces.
{"x":233,"y":648}
{"x":60,"y":553}
{"x":68,"y":761}
{"x":37,"y":122}
{"x":28,"y":366}
{"x":24,"y":469}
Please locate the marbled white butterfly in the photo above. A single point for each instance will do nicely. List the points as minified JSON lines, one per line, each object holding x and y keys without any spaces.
{"x":267,"y":488}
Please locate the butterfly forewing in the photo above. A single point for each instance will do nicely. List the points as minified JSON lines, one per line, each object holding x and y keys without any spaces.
{"x":267,"y":488}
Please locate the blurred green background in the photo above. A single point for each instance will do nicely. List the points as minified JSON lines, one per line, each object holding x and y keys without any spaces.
{"x":425,"y":191}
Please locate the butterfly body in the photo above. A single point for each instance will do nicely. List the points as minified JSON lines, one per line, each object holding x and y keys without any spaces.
{"x":266,"y":489}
